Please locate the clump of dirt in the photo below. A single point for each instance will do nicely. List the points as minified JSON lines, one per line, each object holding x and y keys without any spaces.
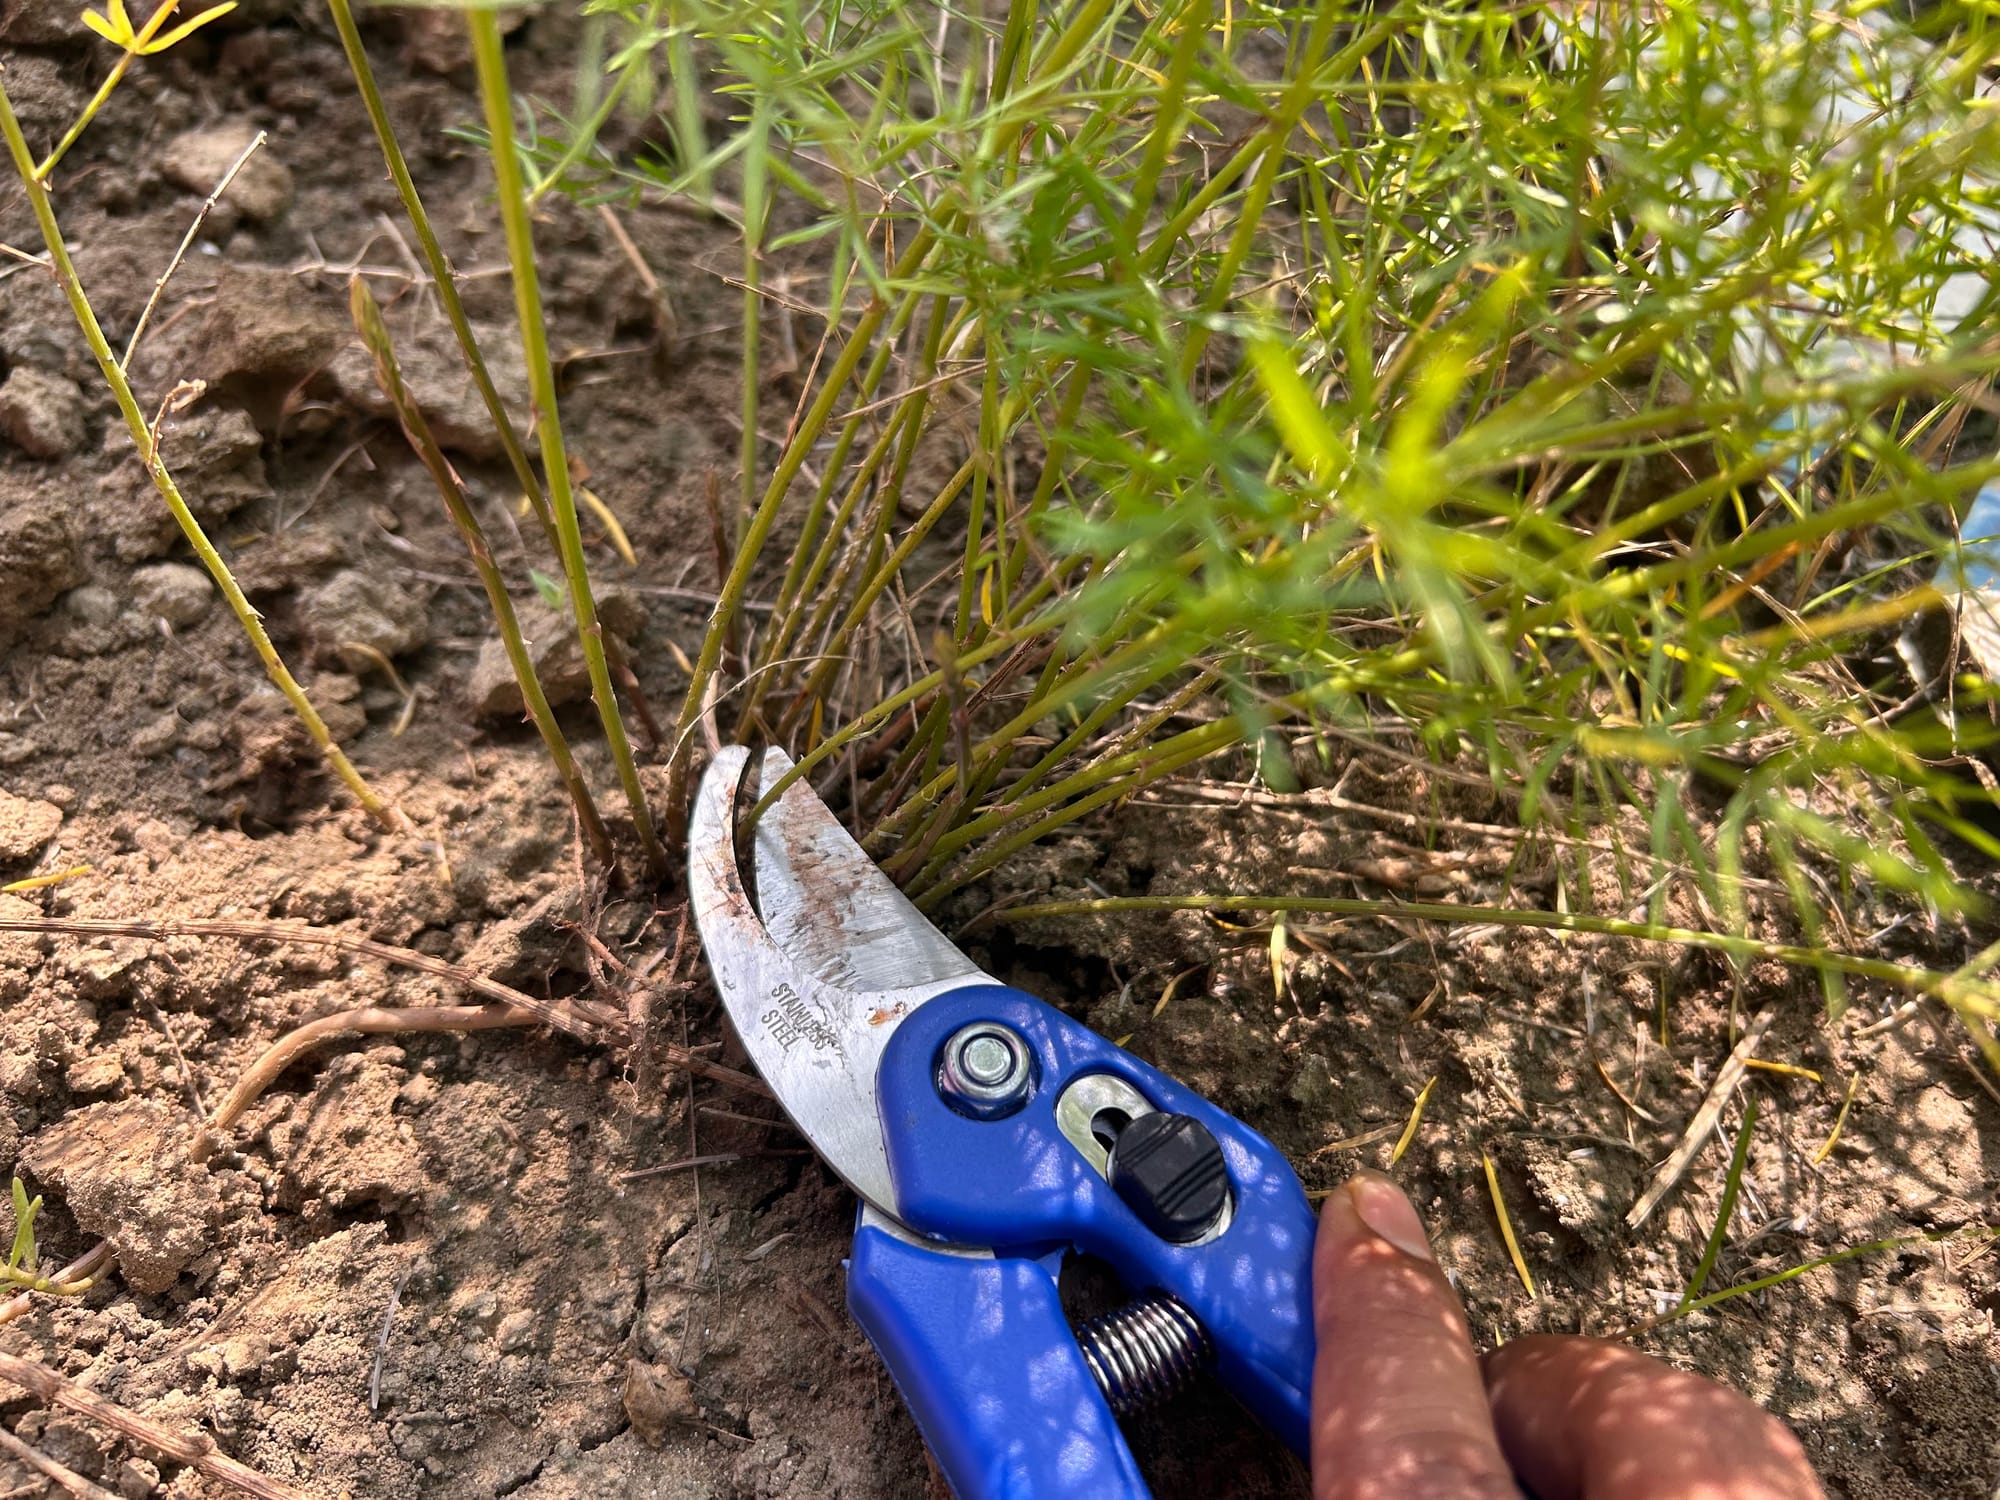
{"x":516,"y":1263}
{"x":126,"y":1175}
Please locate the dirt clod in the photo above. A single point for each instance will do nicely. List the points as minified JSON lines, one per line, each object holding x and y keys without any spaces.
{"x":267,"y":331}
{"x":173,"y":592}
{"x":433,"y":370}
{"x":25,"y":826}
{"x":138,"y":1479}
{"x":354,"y":613}
{"x":32,"y":23}
{"x":198,"y":159}
{"x":41,"y":414}
{"x":551,"y":637}
{"x":37,"y":561}
{"x":658,"y":1398}
{"x":215,"y":454}
{"x":124,"y":1171}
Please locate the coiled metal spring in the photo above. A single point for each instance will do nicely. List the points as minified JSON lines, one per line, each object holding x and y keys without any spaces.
{"x":1145,"y":1352}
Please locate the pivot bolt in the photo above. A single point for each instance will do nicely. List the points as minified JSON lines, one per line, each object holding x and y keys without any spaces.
{"x":986,"y":1070}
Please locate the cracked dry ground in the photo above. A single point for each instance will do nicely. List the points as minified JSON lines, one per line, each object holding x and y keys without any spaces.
{"x":555,"y":1325}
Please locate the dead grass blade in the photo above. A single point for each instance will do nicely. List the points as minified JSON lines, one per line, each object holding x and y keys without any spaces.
{"x":1702,"y":1126}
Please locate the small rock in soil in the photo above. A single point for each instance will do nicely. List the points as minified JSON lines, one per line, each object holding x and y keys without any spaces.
{"x":290,"y":559}
{"x":515,"y":1332}
{"x":102,"y":1073}
{"x":41,"y":414}
{"x":138,"y":1479}
{"x":155,"y":735}
{"x":25,"y":826}
{"x":124,"y":1172}
{"x":37,"y":561}
{"x":246,"y":1356}
{"x":356,"y":609}
{"x":268,"y":328}
{"x":658,"y":1398}
{"x":197,"y":160}
{"x":174,"y":592}
{"x":552,"y":646}
{"x":93,"y":604}
{"x":216,"y":452}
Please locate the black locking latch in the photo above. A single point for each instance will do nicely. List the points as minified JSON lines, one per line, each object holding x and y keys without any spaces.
{"x":1169,"y":1170}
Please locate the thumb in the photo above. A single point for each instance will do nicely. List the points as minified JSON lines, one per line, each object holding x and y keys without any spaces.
{"x":1398,"y":1405}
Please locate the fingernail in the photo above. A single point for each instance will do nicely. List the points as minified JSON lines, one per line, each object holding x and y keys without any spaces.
{"x":1384,"y":1209}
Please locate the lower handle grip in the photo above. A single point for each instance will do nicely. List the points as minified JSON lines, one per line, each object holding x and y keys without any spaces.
{"x":986,"y":1362}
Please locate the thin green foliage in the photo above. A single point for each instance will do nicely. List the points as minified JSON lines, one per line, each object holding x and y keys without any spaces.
{"x":375,"y":338}
{"x":1732,"y":1184}
{"x":23,"y":1267}
{"x":1974,"y":1234}
{"x":1197,"y":377}
{"x":148,"y":39}
{"x":443,"y":279}
{"x":1972,"y":990}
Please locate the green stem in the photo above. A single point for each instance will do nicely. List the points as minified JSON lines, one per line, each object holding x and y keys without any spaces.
{"x":40,"y":174}
{"x":443,"y":277}
{"x":375,"y":336}
{"x":1119,"y":777}
{"x":490,"y":64}
{"x":1732,"y":1184}
{"x":1963,"y":994}
{"x":383,"y":812}
{"x":730,"y":601}
{"x":755,"y":182}
{"x":1976,"y":1232}
{"x":899,"y":436}
{"x":1022,"y":801}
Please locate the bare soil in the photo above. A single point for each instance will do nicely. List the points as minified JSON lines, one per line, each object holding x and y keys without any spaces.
{"x":453,"y":1266}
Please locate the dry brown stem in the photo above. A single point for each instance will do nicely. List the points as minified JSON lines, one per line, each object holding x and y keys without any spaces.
{"x":195,"y":1449}
{"x":66,"y":1479}
{"x":1702,"y":1126}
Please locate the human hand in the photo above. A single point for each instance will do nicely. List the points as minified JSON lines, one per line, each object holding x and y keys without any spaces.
{"x":1402,"y":1407}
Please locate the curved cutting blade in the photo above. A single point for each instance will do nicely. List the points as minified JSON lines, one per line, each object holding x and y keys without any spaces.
{"x":818,"y":983}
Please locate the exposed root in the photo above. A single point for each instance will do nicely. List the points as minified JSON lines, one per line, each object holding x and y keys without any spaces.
{"x":579,"y":1018}
{"x":363,"y":1021}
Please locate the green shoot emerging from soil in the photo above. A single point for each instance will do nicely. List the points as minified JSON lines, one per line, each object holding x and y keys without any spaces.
{"x":23,"y":1267}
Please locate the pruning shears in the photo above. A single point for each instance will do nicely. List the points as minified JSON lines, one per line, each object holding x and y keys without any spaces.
{"x":987,"y":1135}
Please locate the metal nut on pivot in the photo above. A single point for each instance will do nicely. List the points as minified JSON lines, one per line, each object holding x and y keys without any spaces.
{"x":986,"y":1070}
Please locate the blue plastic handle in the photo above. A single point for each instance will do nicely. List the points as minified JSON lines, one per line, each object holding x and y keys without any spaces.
{"x":1017,"y":1184}
{"x":986,"y":1363}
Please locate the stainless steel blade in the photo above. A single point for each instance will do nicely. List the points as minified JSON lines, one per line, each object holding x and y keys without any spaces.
{"x":818,"y":984}
{"x":829,"y":906}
